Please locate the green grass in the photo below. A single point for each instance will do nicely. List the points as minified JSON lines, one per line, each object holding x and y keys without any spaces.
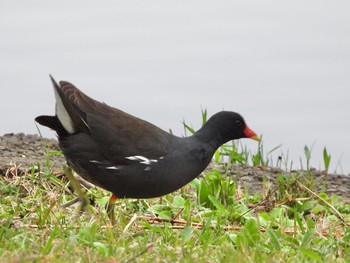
{"x":209,"y":220}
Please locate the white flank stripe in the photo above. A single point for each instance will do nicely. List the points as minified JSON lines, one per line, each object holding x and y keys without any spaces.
{"x":141,"y":159}
{"x":113,"y":167}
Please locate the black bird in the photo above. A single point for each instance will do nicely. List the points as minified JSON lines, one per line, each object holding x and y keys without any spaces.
{"x":130,"y":157}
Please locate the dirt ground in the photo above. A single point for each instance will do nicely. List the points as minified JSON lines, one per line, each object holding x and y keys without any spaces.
{"x":24,"y":151}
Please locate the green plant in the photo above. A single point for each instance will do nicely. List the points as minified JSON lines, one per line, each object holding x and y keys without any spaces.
{"x":326,"y":159}
{"x":215,"y":190}
{"x":191,"y":130}
{"x":197,"y":223}
{"x":230,"y":153}
{"x":260,"y":158}
{"x":206,"y":221}
{"x":307,"y":152}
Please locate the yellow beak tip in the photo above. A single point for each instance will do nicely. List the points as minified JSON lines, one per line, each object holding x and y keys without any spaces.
{"x":256,"y":138}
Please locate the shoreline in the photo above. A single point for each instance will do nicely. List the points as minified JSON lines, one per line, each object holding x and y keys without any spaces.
{"x":25,"y":150}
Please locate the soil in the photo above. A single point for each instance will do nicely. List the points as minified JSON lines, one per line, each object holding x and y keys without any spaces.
{"x":27,"y":151}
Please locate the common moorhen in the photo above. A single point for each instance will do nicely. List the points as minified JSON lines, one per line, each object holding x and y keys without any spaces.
{"x":128,"y":156}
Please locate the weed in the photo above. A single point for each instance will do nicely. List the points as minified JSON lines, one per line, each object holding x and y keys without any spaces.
{"x":197,"y":223}
{"x":326,"y":159}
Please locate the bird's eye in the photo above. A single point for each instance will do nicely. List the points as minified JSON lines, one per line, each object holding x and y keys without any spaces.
{"x":239,"y":122}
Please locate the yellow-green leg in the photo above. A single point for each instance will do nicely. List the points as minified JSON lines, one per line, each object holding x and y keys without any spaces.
{"x":84,"y":201}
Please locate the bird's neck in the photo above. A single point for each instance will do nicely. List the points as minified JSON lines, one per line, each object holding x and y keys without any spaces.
{"x":209,"y":137}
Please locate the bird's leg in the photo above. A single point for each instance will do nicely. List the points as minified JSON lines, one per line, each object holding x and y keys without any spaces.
{"x":84,"y":201}
{"x":110,"y":208}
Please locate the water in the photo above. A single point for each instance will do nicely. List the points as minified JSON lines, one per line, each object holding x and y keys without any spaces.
{"x":284,"y":66}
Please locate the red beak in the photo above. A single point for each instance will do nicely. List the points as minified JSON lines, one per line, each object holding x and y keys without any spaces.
{"x":250,"y":134}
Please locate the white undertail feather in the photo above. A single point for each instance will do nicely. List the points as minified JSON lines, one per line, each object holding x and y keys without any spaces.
{"x":63,"y":115}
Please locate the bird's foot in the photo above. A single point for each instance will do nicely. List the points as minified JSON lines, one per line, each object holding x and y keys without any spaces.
{"x":82,"y":199}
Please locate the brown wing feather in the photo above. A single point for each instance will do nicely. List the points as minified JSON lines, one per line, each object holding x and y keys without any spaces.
{"x":117,"y":133}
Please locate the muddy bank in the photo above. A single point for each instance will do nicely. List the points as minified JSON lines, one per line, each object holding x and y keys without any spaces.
{"x":28,"y":150}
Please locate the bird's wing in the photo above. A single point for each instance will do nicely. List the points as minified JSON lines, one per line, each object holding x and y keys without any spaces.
{"x":117,"y":134}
